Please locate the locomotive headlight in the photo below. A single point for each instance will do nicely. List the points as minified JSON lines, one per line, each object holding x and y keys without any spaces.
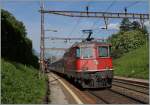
{"x":84,"y":68}
{"x":107,"y":67}
{"x":96,"y":62}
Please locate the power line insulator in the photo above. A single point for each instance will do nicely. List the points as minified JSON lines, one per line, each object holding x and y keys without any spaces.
{"x":125,"y":10}
{"x":87,"y":9}
{"x":106,"y":23}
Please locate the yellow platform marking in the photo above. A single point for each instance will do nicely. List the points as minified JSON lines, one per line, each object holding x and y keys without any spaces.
{"x":70,"y":91}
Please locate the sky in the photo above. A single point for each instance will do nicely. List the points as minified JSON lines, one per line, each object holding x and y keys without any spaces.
{"x":27,"y":12}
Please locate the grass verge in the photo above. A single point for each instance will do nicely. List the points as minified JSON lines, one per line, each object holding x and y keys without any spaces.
{"x":21,"y":84}
{"x":133,"y":64}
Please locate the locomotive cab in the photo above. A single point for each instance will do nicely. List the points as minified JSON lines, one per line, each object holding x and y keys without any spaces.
{"x":94,"y":57}
{"x":94,"y":62}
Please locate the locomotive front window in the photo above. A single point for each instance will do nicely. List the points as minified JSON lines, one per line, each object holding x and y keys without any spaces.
{"x":78,"y":52}
{"x":87,"y":52}
{"x":103,"y":51}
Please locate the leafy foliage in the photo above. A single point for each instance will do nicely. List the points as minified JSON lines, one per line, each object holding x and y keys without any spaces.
{"x":131,"y":36}
{"x":135,"y":25}
{"x":15,"y":45}
{"x":21,"y":85}
{"x":125,"y":25}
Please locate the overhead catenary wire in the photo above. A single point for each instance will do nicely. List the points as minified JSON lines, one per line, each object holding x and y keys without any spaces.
{"x":75,"y":26}
{"x":95,"y":23}
{"x":112,"y":3}
{"x":98,"y":14}
{"x":88,"y":5}
{"x":78,"y":21}
{"x":123,"y":10}
{"x":130,"y":5}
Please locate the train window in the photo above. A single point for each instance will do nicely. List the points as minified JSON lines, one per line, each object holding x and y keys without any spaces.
{"x":78,"y":52}
{"x":87,"y":52}
{"x":103,"y":51}
{"x":110,"y":51}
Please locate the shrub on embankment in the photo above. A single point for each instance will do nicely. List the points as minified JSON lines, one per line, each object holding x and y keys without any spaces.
{"x":21,"y":84}
{"x":130,"y":36}
{"x":133,"y":64}
{"x":130,"y":50}
{"x":15,"y":45}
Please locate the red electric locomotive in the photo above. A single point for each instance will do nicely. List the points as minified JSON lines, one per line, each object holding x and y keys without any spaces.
{"x":87,"y":63}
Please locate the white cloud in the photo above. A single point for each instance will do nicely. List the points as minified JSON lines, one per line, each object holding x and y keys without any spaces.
{"x":147,"y":23}
{"x":112,"y":26}
{"x":86,"y":25}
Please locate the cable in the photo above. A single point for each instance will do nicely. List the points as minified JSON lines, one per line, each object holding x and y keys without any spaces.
{"x":75,"y":26}
{"x":126,"y":7}
{"x":78,"y":21}
{"x":130,"y":5}
{"x":112,"y":3}
{"x":110,"y":6}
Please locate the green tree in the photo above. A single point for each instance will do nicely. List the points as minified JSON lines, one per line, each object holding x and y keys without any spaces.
{"x":135,"y":25}
{"x":15,"y":45}
{"x":130,"y":37}
{"x":125,"y":25}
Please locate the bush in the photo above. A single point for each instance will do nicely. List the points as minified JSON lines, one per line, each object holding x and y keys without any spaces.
{"x":124,"y":42}
{"x":15,"y":44}
{"x":21,"y":84}
{"x":131,"y":36}
{"x":117,"y":53}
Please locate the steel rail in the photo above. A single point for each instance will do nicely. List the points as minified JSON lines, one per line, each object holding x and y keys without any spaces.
{"x":128,"y":97}
{"x":133,"y":84}
{"x":131,"y":89}
{"x":101,"y":99}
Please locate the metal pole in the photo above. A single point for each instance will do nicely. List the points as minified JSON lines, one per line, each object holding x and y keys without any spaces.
{"x":42,"y":67}
{"x":98,"y":14}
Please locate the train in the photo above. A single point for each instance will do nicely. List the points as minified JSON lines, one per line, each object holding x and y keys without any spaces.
{"x":87,"y":63}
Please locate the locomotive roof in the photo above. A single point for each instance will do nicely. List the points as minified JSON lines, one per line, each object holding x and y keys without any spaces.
{"x":78,"y":44}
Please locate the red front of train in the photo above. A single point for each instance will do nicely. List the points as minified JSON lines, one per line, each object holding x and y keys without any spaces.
{"x":88,"y":64}
{"x":94,"y":57}
{"x":95,"y":64}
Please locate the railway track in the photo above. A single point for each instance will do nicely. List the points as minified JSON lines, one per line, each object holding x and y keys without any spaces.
{"x":132,"y":80}
{"x":112,"y":97}
{"x":132,"y":86}
{"x":123,"y":92}
{"x":136,"y":90}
